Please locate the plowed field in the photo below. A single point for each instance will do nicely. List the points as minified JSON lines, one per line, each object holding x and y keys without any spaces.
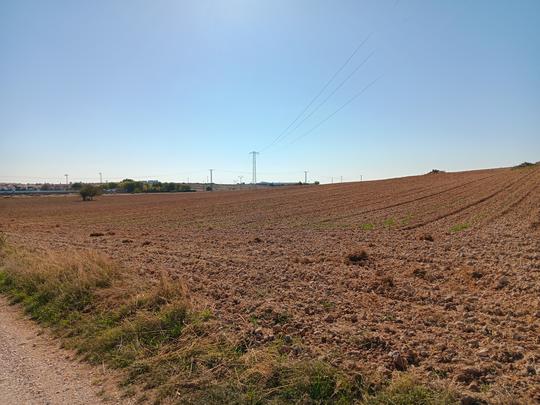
{"x":448,"y":285}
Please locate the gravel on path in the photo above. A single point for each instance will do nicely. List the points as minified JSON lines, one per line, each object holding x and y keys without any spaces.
{"x":34,"y":370}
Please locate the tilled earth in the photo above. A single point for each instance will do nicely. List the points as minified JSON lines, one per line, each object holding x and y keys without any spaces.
{"x":436,"y":274}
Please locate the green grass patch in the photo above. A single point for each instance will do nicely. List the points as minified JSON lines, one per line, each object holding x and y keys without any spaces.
{"x":407,"y":391}
{"x":368,"y":227}
{"x":328,"y":305}
{"x":459,"y":227}
{"x":407,"y":219}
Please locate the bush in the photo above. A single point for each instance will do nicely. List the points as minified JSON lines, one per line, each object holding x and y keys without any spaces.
{"x":89,"y":191}
{"x":524,"y":165}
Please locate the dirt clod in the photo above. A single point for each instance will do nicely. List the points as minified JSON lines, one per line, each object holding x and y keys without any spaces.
{"x":502,"y":283}
{"x":359,"y":258}
{"x":468,"y":400}
{"x":399,"y":362}
{"x":469,"y":375}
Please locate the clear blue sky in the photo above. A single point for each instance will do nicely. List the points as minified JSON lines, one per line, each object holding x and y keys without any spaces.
{"x":168,"y":89}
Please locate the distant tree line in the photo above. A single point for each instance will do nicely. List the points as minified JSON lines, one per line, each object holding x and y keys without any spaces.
{"x":132,"y":186}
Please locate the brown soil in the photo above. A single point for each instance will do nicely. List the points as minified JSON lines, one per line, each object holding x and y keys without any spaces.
{"x":448,"y":284}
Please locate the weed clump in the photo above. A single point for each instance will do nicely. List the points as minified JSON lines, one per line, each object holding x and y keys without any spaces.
{"x":407,"y":390}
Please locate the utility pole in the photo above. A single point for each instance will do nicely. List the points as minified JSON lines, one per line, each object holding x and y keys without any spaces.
{"x":342,"y":179}
{"x":305,"y":176}
{"x":100,"y":178}
{"x":211,"y":180}
{"x":67,"y":183}
{"x":254,"y":181}
{"x":361,"y":177}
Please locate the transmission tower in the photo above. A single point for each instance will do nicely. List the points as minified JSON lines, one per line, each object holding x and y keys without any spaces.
{"x":254,"y":180}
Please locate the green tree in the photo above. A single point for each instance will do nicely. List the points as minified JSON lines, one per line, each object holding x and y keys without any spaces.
{"x":131,"y":186}
{"x":89,"y":191}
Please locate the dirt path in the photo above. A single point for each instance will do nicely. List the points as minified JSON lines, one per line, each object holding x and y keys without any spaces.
{"x":33,"y":370}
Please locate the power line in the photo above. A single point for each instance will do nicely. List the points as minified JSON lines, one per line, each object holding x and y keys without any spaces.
{"x":317,"y":95}
{"x":349,"y":101}
{"x":333,"y":92}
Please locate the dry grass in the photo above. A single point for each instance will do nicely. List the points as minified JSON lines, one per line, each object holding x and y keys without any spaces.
{"x":171,"y":350}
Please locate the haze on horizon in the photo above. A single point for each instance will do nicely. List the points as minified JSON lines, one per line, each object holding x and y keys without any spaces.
{"x":169,"y":89}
